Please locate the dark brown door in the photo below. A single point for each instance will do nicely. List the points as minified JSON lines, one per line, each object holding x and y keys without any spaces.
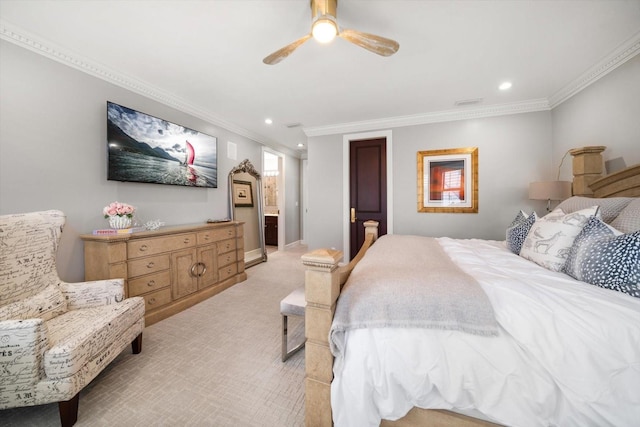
{"x":271,"y":230}
{"x":367,"y":188}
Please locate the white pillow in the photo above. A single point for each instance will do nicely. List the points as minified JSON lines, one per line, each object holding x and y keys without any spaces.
{"x":610,"y":207}
{"x":550,"y":238}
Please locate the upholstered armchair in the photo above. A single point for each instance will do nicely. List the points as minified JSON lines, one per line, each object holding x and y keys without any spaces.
{"x":55,"y":337}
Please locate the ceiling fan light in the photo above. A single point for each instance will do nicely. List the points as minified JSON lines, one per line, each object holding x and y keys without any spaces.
{"x":324,"y":30}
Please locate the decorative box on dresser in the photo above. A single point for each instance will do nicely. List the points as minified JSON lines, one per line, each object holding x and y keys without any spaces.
{"x":173,"y":268}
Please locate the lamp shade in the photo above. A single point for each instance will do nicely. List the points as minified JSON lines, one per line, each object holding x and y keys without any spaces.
{"x":550,"y":190}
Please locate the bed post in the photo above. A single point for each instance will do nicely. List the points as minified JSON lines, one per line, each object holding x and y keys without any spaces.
{"x":322,"y":287}
{"x":323,"y":282}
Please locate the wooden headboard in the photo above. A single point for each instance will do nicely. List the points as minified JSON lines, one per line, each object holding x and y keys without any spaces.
{"x":625,"y":183}
{"x":589,"y":179}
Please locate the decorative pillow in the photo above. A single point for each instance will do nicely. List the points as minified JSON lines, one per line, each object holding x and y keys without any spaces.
{"x":603,"y":257}
{"x":628,"y":220}
{"x":551,"y":237}
{"x":594,"y":231}
{"x":45,"y":305}
{"x":518,"y":230}
{"x":522,"y":215}
{"x":610,"y":207}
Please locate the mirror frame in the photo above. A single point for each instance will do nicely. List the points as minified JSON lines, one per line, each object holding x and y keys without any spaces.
{"x":246,"y":167}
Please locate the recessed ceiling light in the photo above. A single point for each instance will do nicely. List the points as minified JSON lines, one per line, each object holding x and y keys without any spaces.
{"x":268,"y":121}
{"x":505,"y":86}
{"x":300,"y":145}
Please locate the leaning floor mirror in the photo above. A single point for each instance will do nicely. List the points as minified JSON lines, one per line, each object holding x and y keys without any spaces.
{"x":245,"y":204}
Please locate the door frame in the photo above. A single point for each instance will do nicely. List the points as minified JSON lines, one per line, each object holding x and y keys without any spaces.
{"x":346,"y":140}
{"x":281,"y":199}
{"x":305,"y":201}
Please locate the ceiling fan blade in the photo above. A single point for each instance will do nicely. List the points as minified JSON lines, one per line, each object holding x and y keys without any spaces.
{"x":376,"y":44}
{"x":281,"y":54}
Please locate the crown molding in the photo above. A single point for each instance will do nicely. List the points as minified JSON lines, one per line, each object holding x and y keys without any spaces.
{"x":429,"y":118}
{"x":22,"y":38}
{"x":622,"y":54}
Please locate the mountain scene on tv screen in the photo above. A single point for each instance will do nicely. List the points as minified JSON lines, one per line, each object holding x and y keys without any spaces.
{"x":143,"y":148}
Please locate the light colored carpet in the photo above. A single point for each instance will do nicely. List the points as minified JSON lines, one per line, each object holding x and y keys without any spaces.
{"x":214,"y":364}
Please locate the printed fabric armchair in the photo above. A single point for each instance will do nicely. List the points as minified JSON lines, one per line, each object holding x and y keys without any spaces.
{"x":55,"y":337}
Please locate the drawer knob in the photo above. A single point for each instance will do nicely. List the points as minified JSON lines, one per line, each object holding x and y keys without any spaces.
{"x":151,"y":283}
{"x":150,"y":265}
{"x":152,"y":300}
{"x":186,"y":240}
{"x":143,"y":248}
{"x":206,"y":237}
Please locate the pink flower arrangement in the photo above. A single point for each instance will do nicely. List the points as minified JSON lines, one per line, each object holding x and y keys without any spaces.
{"x":119,"y":209}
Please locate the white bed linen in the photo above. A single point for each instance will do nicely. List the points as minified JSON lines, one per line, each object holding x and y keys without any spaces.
{"x":568,"y":354}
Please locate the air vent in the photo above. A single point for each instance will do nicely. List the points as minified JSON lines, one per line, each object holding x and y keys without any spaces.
{"x":465,"y":102}
{"x":293,"y":125}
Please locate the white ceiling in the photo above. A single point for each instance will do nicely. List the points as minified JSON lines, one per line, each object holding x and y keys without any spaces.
{"x":205,"y":57}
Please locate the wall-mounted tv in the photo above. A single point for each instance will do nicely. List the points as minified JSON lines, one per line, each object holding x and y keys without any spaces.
{"x":143,"y":148}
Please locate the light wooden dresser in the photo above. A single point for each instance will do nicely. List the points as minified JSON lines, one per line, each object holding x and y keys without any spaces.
{"x":173,"y":268}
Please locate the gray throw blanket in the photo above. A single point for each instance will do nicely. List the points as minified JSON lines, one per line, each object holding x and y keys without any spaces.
{"x":410,"y":282}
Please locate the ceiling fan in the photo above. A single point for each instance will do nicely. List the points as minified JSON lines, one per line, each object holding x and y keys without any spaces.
{"x":324,"y":28}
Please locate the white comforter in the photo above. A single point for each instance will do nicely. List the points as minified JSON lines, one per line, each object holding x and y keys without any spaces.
{"x":568,"y":354}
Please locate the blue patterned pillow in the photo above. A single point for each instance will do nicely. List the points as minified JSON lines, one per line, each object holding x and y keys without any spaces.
{"x":522,"y":215}
{"x":518,"y":230}
{"x":602,"y":258}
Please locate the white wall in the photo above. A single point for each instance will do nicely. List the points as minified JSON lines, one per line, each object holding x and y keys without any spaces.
{"x":605,"y":113}
{"x":513,"y":150}
{"x":53,"y":153}
{"x":324,"y":184}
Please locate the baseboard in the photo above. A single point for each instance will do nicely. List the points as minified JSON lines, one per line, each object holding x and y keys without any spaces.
{"x":294,"y":244}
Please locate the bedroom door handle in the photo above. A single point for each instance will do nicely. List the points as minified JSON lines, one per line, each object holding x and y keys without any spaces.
{"x":353,"y":215}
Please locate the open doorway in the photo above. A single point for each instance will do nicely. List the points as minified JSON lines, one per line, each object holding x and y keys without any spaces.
{"x":273,"y":190}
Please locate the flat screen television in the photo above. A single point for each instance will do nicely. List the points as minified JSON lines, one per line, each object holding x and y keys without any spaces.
{"x":143,"y":148}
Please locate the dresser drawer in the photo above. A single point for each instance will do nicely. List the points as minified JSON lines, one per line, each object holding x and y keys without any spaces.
{"x":226,"y":259}
{"x":216,"y":234}
{"x":226,"y":272}
{"x":148,"y":265}
{"x":226,"y":246}
{"x":157,"y":245}
{"x":148,"y":283}
{"x":157,"y":299}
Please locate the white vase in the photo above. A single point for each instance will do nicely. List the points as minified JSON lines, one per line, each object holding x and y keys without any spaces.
{"x":116,"y":221}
